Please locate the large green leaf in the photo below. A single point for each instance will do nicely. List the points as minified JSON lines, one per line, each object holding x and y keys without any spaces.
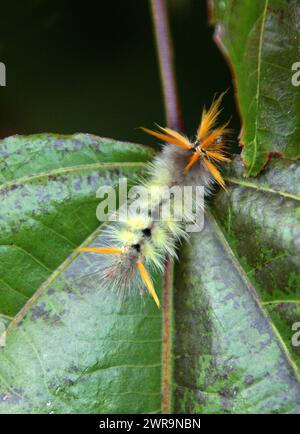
{"x":81,"y":349}
{"x":75,"y":347}
{"x":48,"y":187}
{"x":260,"y":39}
{"x":228,"y":356}
{"x":261,"y":220}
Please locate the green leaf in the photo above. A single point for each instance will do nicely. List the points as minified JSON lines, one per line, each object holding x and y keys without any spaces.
{"x":261,"y":220}
{"x":81,"y":348}
{"x":228,"y":356}
{"x":260,"y":39}
{"x":48,"y":187}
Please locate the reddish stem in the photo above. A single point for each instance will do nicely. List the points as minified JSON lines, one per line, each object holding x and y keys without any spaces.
{"x":174,"y":120}
{"x":166,"y":63}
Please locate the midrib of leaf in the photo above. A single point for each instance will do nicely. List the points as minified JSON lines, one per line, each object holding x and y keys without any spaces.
{"x":261,"y":187}
{"x":257,"y":95}
{"x":71,"y":169}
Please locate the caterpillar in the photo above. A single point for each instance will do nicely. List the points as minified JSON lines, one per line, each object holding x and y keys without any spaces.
{"x":140,"y":241}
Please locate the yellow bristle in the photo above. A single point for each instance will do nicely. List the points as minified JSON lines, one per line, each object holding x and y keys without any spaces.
{"x":209,"y":117}
{"x":175,"y":228}
{"x":101,"y":250}
{"x":148,"y":282}
{"x":128,"y":237}
{"x":145,"y":206}
{"x":151,"y":255}
{"x":162,"y":239}
{"x":156,"y":193}
{"x":161,"y":174}
{"x":171,"y":137}
{"x":155,"y":190}
{"x":137,"y":222}
{"x":159,"y":236}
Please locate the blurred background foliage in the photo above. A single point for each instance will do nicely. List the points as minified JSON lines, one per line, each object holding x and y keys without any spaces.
{"x":91,"y":67}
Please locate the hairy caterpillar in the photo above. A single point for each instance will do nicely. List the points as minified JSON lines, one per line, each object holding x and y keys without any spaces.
{"x":141,"y":241}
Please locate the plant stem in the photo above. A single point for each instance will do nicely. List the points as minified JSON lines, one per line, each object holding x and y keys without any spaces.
{"x":174,"y":120}
{"x":166,"y":63}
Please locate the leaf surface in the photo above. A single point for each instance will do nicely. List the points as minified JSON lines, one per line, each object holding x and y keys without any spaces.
{"x":260,"y":40}
{"x":48,"y":186}
{"x":228,"y":357}
{"x":261,"y":220}
{"x":76,"y":347}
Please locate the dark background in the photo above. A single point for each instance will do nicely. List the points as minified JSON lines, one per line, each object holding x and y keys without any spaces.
{"x":90,"y":66}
